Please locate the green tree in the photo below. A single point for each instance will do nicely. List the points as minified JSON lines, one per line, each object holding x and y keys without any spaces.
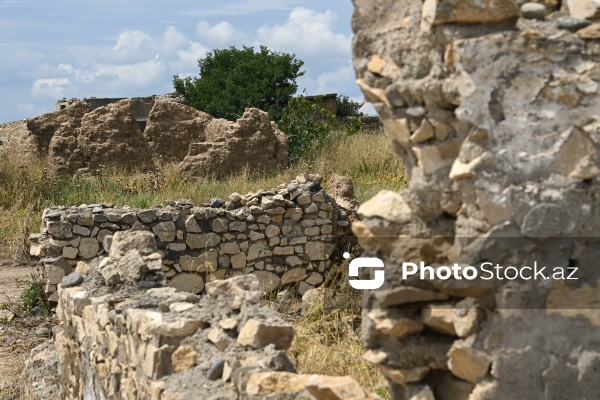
{"x":232,"y":80}
{"x":348,"y":108}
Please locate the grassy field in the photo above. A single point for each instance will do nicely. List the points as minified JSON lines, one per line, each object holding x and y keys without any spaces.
{"x":327,"y":342}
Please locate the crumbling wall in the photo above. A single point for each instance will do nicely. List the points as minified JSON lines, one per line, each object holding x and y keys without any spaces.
{"x":284,"y":236}
{"x":116,"y":342}
{"x":496,"y":117}
{"x":78,"y":140}
{"x":252,"y":140}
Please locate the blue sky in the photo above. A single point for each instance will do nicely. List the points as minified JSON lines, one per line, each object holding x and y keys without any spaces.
{"x":129,"y":48}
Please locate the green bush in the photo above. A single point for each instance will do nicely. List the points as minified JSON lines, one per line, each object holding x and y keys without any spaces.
{"x":33,"y":296}
{"x":306,"y":126}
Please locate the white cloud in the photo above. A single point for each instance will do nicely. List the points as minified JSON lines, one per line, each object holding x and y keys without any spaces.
{"x":130,"y":40}
{"x":306,"y":33}
{"x":329,"y":82}
{"x":52,"y":87}
{"x":187,"y":63}
{"x":222,"y":33}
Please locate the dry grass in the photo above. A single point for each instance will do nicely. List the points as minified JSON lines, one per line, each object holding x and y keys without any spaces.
{"x":327,"y":337}
{"x":25,"y":191}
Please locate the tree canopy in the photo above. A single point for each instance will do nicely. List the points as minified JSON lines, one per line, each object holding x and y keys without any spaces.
{"x":232,"y":80}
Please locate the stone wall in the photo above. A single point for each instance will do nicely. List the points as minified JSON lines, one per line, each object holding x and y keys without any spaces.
{"x":495,"y":111}
{"x":285,"y":236}
{"x":116,"y":342}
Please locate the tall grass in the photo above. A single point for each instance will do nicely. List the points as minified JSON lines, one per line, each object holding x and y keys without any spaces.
{"x":25,"y":190}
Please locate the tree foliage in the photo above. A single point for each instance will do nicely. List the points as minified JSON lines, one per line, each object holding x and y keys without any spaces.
{"x":347,"y":107}
{"x":232,"y":80}
{"x":306,"y":126}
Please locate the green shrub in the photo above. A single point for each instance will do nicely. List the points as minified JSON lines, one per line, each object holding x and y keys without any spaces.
{"x":306,"y":126}
{"x":33,"y":296}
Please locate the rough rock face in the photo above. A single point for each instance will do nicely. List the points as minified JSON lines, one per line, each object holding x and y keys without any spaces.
{"x":35,"y":141}
{"x":497,"y":121}
{"x":340,"y":187}
{"x":109,"y":136}
{"x":252,"y":140}
{"x":172,"y":127}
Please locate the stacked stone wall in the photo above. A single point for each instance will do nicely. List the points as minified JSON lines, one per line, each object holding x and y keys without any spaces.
{"x":116,"y":341}
{"x":285,"y":236}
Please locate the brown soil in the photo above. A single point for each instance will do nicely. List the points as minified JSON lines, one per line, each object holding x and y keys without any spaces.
{"x":16,"y":332}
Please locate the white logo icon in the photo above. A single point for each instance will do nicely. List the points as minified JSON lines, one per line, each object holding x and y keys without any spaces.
{"x":366,"y":262}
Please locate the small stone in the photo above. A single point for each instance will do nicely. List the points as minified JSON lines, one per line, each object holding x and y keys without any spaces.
{"x":533,"y":10}
{"x":73,"y":279}
{"x":572,"y":24}
{"x":216,"y":369}
{"x":43,"y":331}
{"x":416,"y":112}
{"x":147,"y":216}
{"x":184,"y":358}
{"x":590,"y":32}
{"x":313,"y":186}
{"x":216,"y":203}
{"x":258,"y":334}
{"x":293,"y":276}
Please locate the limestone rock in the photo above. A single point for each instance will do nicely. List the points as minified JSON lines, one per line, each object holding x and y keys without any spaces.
{"x":184,"y":358}
{"x":185,"y":282}
{"x":257,"y":334}
{"x":468,"y":363}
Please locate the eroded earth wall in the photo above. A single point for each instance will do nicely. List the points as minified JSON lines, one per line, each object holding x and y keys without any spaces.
{"x":494,"y":108}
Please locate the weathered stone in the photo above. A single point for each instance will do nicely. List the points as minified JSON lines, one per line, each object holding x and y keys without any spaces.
{"x":184,"y":358}
{"x":202,"y":241}
{"x":533,"y":10}
{"x":238,"y":261}
{"x":252,"y":131}
{"x":440,"y":318}
{"x":71,"y":280}
{"x":185,"y":282}
{"x":468,"y":363}
{"x":88,"y":248}
{"x":165,"y":231}
{"x":293,"y":276}
{"x":206,"y":262}
{"x":268,"y":281}
{"x":141,"y":241}
{"x":258,"y":334}
{"x":319,"y":250}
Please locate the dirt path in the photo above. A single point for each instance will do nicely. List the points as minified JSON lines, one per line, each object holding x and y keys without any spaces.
{"x":16,"y":334}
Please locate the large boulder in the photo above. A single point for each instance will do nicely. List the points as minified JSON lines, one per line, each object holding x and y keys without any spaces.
{"x":172,"y":127}
{"x":253,"y":140}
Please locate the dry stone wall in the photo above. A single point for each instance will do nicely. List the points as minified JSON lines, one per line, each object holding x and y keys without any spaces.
{"x":284,"y":236}
{"x":494,"y":107}
{"x":116,"y":342}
